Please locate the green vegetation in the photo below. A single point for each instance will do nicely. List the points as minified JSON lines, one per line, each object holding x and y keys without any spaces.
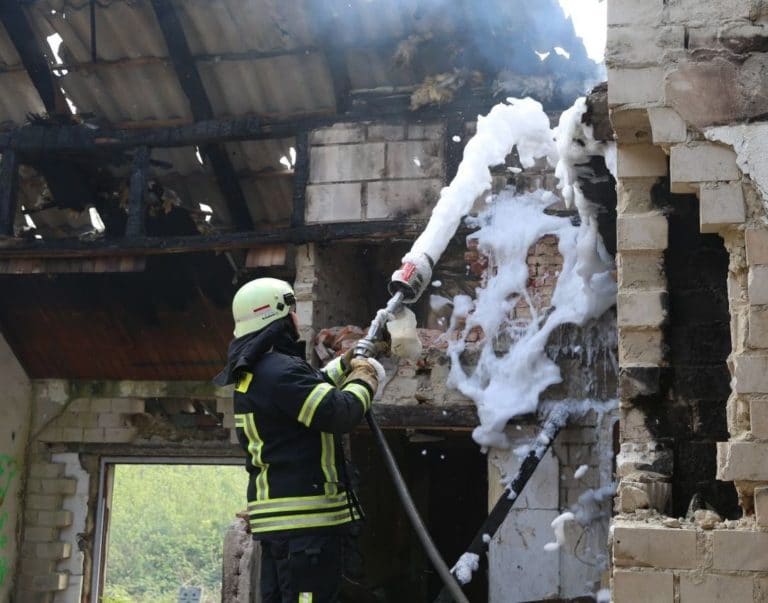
{"x":167,"y":530}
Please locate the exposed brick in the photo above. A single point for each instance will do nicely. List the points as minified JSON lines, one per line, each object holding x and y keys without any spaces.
{"x":742,"y":461}
{"x":761,"y":506}
{"x":52,"y":486}
{"x":642,"y":232}
{"x":702,"y":162}
{"x":740,"y":550}
{"x":711,"y":588}
{"x":666,"y":125}
{"x":49,"y":582}
{"x":37,"y":567}
{"x":685,"y":11}
{"x":642,"y":347}
{"x":49,"y":519}
{"x":338,"y":134}
{"x":345,"y":163}
{"x":654,"y":547}
{"x":758,"y":418}
{"x":43,"y":502}
{"x":757,"y":285}
{"x":641,"y":270}
{"x":722,"y":204}
{"x":334,"y":202}
{"x":36,"y":534}
{"x":751,"y":374}
{"x":758,"y":327}
{"x":756,"y":240}
{"x":53,"y":550}
{"x":635,"y":86}
{"x":640,"y":46}
{"x":641,"y":308}
{"x":398,"y":198}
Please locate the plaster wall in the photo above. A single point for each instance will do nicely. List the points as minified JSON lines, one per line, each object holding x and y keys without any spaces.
{"x":14,"y":431}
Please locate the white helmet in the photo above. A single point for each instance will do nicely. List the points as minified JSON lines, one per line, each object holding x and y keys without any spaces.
{"x":260,"y":303}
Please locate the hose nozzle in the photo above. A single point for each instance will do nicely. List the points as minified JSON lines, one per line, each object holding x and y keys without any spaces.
{"x":412,"y":278}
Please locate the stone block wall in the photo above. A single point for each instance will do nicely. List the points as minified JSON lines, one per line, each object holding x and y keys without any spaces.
{"x":685,"y":91}
{"x":375,"y":171}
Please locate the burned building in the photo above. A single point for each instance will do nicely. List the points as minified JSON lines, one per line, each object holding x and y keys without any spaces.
{"x":157,"y":154}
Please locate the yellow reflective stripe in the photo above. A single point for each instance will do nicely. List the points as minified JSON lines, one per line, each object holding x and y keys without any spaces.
{"x":305,"y":597}
{"x":312,"y":401}
{"x":328,"y":463}
{"x":305,"y":503}
{"x":271,"y":524}
{"x":243,"y":382}
{"x":361,"y":393}
{"x":334,"y":370}
{"x":240,"y":421}
{"x":256,"y":448}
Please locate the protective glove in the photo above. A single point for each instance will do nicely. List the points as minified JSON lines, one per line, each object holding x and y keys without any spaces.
{"x":362,"y":371}
{"x":381,"y":349}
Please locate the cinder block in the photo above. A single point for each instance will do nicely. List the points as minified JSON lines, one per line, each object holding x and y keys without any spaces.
{"x":64,"y":486}
{"x":635,"y":86}
{"x":414,"y":159}
{"x":758,"y":418}
{"x":641,"y":161}
{"x":751,"y":374}
{"x":79,"y":405}
{"x":702,"y":162}
{"x":120,"y":436}
{"x":93,"y":435}
{"x":642,"y":347}
{"x":46,"y":470}
{"x":36,"y":566}
{"x":634,"y":12}
{"x":334,"y":202}
{"x":426,"y":131}
{"x":40,"y":534}
{"x":757,"y":284}
{"x":667,"y":126}
{"x":49,"y":582}
{"x":225,"y":405}
{"x":642,"y":587}
{"x":386,"y":132}
{"x":640,"y":46}
{"x":721,"y":205}
{"x":643,"y":270}
{"x":128,"y":406}
{"x":338,"y":134}
{"x":43,"y":502}
{"x":743,"y":461}
{"x":642,"y":232}
{"x":654,"y":547}
{"x":399,"y":198}
{"x":110,"y":419}
{"x":53,"y":550}
{"x":740,"y":550}
{"x":347,"y":163}
{"x":641,"y":309}
{"x":758,"y":327}
{"x":711,"y":588}
{"x":685,"y":11}
{"x":756,"y":240}
{"x":48,"y":519}
{"x":761,"y":506}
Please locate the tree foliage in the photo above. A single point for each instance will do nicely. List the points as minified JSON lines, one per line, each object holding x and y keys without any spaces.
{"x":167,"y":529}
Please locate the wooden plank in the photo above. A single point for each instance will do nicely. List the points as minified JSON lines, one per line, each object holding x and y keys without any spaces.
{"x":9,"y":192}
{"x":137,"y":193}
{"x":192,"y":85}
{"x":139,"y":246}
{"x":300,"y":179}
{"x":24,"y":40}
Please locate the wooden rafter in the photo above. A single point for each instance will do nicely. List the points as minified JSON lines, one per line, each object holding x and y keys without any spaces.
{"x":138,"y":246}
{"x":9,"y":189}
{"x":192,"y":85}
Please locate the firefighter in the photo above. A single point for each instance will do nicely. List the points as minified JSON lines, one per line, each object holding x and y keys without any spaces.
{"x":289,"y":417}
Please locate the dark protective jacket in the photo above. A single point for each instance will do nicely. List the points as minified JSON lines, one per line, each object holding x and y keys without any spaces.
{"x":288,"y":418}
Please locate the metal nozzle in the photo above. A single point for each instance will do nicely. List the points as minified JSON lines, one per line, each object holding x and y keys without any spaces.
{"x":412,"y":278}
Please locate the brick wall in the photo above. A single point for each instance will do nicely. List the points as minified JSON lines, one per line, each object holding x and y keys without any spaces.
{"x":374,"y":171}
{"x":683,"y":82}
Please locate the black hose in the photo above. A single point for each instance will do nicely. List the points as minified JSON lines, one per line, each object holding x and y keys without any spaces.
{"x":479,"y":546}
{"x":448,"y":579}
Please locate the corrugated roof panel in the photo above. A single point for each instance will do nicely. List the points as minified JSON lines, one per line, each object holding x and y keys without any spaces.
{"x":281,"y":86}
{"x":195,"y":189}
{"x":270,"y":199}
{"x":126,"y":93}
{"x":17,"y":98}
{"x":124,"y":29}
{"x":222,"y":26}
{"x":260,"y":155}
{"x":370,"y":68}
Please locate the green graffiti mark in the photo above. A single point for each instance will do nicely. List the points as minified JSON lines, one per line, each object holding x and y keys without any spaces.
{"x":8,"y":470}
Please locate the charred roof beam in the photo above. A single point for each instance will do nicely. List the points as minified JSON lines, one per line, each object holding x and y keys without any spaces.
{"x":192,"y":85}
{"x":9,"y":192}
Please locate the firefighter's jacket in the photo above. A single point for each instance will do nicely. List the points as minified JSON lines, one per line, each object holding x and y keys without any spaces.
{"x":288,"y":417}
